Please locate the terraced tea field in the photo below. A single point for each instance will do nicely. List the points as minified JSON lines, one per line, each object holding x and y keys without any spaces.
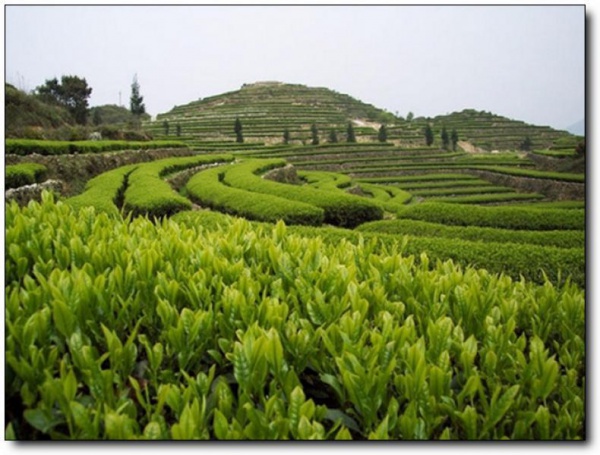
{"x":368,"y":290}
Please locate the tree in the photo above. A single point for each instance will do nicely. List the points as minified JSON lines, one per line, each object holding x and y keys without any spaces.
{"x":428,"y":135}
{"x":166,"y":127}
{"x":409,"y":117}
{"x":136,"y":105}
{"x":96,"y":117}
{"x":445,"y":138}
{"x":237,"y":129}
{"x":286,"y":136}
{"x":72,"y":92}
{"x":382,"y":136}
{"x":333,"y":136}
{"x":178,"y":129}
{"x":526,"y":144}
{"x":315,"y":134}
{"x":350,"y":137}
{"x":454,"y":139}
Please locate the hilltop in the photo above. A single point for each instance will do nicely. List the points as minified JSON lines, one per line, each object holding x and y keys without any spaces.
{"x":266,"y":109}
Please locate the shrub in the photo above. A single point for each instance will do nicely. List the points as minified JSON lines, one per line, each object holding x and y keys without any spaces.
{"x":148,"y":194}
{"x":30,"y":146}
{"x":207,"y":188}
{"x":498,"y":217}
{"x":104,"y":191}
{"x":560,"y":239}
{"x":340,"y":209}
{"x":24,"y":174}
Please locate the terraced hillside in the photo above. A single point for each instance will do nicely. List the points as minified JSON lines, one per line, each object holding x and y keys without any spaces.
{"x":485,"y":130}
{"x":267,"y":109}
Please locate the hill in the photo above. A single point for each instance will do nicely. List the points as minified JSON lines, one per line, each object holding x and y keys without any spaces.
{"x":266,"y":109}
{"x":24,"y":111}
{"x":577,"y":128}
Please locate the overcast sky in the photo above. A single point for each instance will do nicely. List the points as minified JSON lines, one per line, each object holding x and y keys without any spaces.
{"x":523,"y":62}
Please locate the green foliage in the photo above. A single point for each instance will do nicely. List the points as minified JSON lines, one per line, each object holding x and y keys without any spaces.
{"x":23,"y":112}
{"x":560,"y":239}
{"x":454,"y":139}
{"x":17,"y":175}
{"x":105,"y":191}
{"x":111,"y":114}
{"x":428,"y":135}
{"x":382,"y":134}
{"x":286,"y":136}
{"x":332,"y":136}
{"x":315,"y":134}
{"x":445,"y":138}
{"x":72,"y":92}
{"x":136,"y":101}
{"x":128,"y":329}
{"x":237,"y":129}
{"x":340,"y":209}
{"x":498,"y":217}
{"x":161,"y":200}
{"x":207,"y":188}
{"x":350,"y":136}
{"x":29,"y":146}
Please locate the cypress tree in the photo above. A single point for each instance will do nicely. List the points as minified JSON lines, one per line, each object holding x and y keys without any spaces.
{"x":237,"y":128}
{"x":315,"y":134}
{"x":454,"y":139}
{"x":333,"y":136}
{"x":166,"y":127}
{"x":350,"y":133}
{"x":382,"y":136}
{"x":445,"y":138}
{"x":286,"y":136}
{"x":178,"y":130}
{"x":428,"y":135}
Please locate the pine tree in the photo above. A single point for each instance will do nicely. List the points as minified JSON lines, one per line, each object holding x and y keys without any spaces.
{"x":409,"y":117}
{"x":178,"y":130}
{"x":382,"y":136}
{"x":166,"y":127}
{"x":333,"y":136}
{"x":136,"y":105}
{"x":454,"y":139}
{"x":350,"y":133}
{"x":315,"y":134}
{"x":428,"y":135}
{"x":237,"y":128}
{"x":286,"y":136}
{"x":445,"y":138}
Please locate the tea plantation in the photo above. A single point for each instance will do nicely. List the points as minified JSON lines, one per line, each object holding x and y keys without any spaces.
{"x":263,"y":290}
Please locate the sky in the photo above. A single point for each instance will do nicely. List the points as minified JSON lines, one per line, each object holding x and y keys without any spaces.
{"x":523,"y":62}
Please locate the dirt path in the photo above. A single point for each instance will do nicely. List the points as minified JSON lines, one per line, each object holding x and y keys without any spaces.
{"x":365,"y":123}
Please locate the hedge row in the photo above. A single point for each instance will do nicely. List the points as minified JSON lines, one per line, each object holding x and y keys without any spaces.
{"x":104,"y":191}
{"x":499,"y":217}
{"x":392,"y":199}
{"x":148,"y":194}
{"x":560,"y":239}
{"x":340,"y":209}
{"x":458,"y":190}
{"x":31,"y":146}
{"x":207,"y":188}
{"x":17,"y":175}
{"x":562,"y":176}
{"x":532,"y":262}
{"x":488,"y":198}
{"x":419,"y":178}
{"x":428,"y":185}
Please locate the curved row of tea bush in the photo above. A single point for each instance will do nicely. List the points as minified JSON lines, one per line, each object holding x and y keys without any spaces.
{"x":416,"y":178}
{"x":104,"y":191}
{"x":41,"y":147}
{"x":560,"y":239}
{"x":497,"y":217}
{"x":340,"y":209}
{"x":17,"y":175}
{"x":532,"y":173}
{"x":488,"y":198}
{"x":148,"y":194}
{"x":207,"y":188}
{"x":129,"y":329}
{"x":460,"y":190}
